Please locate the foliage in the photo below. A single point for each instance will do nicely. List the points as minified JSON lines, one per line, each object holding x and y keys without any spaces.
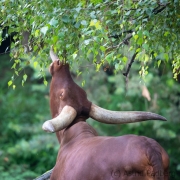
{"x":94,"y":30}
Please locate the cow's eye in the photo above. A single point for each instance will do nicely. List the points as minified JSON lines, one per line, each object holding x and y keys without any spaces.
{"x":58,"y":62}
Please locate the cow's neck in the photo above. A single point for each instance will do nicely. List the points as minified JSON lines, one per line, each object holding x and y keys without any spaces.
{"x":76,"y":132}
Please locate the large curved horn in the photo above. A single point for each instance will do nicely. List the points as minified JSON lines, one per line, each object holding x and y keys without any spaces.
{"x":60,"y":122}
{"x":53,"y":56}
{"x":121,"y":117}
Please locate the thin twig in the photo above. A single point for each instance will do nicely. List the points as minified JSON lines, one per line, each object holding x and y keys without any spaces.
{"x":130,"y":64}
{"x":125,"y":41}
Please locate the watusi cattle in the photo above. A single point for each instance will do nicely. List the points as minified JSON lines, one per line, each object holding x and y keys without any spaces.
{"x":83,"y":155}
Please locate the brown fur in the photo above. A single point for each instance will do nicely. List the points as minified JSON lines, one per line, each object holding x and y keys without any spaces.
{"x":84,"y":155}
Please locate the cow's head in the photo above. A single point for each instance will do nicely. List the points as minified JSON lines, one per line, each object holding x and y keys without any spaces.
{"x":69,"y":103}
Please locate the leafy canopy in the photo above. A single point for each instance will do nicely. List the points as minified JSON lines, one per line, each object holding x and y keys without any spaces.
{"x":114,"y":32}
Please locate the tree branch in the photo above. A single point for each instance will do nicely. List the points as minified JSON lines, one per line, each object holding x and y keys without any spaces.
{"x":130,"y":64}
{"x":157,"y":10}
{"x":126,"y":74}
{"x":116,"y":36}
{"x":125,"y":41}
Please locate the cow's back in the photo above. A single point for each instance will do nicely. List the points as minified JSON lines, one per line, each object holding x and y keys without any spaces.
{"x":105,"y":158}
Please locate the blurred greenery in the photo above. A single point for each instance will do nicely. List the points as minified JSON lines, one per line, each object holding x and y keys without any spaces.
{"x":26,"y":151}
{"x":24,"y":147}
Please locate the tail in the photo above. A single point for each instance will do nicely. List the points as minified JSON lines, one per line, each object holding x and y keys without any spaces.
{"x":45,"y":176}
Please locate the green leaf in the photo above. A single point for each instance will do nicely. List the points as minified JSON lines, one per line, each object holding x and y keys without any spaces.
{"x":22,"y":82}
{"x":145,"y":46}
{"x":84,"y":22}
{"x":148,"y":12}
{"x":140,"y":41}
{"x":166,"y":56}
{"x":83,"y":83}
{"x":77,"y":25}
{"x":124,"y":59}
{"x":55,"y":39}
{"x":95,"y":1}
{"x":159,"y":63}
{"x":87,"y":41}
{"x":78,"y":73}
{"x":35,"y":64}
{"x":45,"y":82}
{"x":17,"y":73}
{"x":96,"y":23}
{"x":98,"y":66}
{"x":146,"y":58}
{"x":61,"y":34}
{"x":127,"y":13}
{"x":36,"y":34}
{"x":65,"y":19}
{"x":53,"y":22}
{"x":166,"y":33}
{"x":117,"y":66}
{"x":109,"y":57}
{"x":135,"y":37}
{"x":10,"y":83}
{"x":138,"y":50}
{"x":146,"y":33}
{"x":25,"y":77}
{"x":78,"y":9}
{"x":17,"y":61}
{"x":14,"y":66}
{"x":44,"y":29}
{"x":35,"y":47}
{"x":102,"y":48}
{"x":74,"y":56}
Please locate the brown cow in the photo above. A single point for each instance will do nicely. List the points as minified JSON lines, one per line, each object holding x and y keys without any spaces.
{"x":83,"y":154}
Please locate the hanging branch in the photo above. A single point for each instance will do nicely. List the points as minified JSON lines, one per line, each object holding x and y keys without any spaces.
{"x":126,"y":74}
{"x":130,"y":64}
{"x":116,"y":36}
{"x":124,"y":41}
{"x":160,"y":7}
